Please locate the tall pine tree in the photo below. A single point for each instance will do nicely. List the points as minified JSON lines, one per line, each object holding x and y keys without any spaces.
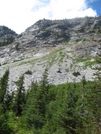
{"x":19,"y":97}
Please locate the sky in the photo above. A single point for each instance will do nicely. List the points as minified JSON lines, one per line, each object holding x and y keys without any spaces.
{"x":20,"y":14}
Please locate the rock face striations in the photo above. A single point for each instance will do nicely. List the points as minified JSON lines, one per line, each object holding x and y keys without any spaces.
{"x":81,"y":33}
{"x":67,"y":48}
{"x":49,"y":33}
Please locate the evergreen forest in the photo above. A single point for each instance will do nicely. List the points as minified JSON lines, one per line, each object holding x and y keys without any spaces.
{"x":71,"y":108}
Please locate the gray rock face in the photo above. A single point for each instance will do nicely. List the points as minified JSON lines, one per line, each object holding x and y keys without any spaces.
{"x":97,"y":23}
{"x":50,"y":33}
{"x":67,"y":48}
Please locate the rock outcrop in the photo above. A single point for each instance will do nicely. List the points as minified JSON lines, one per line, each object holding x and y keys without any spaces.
{"x":67,"y":48}
{"x":51,"y":33}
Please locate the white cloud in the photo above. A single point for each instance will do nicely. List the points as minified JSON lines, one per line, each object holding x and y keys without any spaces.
{"x":19,"y":14}
{"x":16,"y":13}
{"x":92,"y":1}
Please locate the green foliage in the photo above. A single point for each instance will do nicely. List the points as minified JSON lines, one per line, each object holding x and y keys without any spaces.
{"x":7,"y":41}
{"x":99,"y":30}
{"x":76,"y":74}
{"x":17,"y":46}
{"x":79,"y":39}
{"x":4,"y":127}
{"x":95,"y":104}
{"x":82,"y":59}
{"x":94,"y":98}
{"x":19,"y":97}
{"x":71,"y":108}
{"x":28,"y":72}
{"x":38,"y":99}
{"x":88,"y":62}
{"x":3,"y":86}
{"x":68,"y":118}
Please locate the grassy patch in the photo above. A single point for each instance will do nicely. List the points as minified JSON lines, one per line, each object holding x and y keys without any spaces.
{"x":54,"y":56}
{"x":61,"y":57}
{"x":82,"y":59}
{"x":80,"y":39}
{"x":67,"y":70}
{"x":89,"y":64}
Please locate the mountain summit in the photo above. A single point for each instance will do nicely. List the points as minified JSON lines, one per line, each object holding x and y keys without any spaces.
{"x":50,"y":33}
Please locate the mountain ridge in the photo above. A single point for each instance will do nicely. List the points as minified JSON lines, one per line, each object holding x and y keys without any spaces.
{"x":67,"y":48}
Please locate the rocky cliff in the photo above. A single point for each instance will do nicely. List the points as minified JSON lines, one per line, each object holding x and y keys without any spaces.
{"x":67,"y":48}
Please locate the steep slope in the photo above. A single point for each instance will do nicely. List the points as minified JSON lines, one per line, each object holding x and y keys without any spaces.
{"x":67,"y":48}
{"x":50,"y":33}
{"x":82,"y":34}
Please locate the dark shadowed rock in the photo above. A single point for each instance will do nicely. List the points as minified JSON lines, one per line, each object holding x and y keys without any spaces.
{"x":7,"y":36}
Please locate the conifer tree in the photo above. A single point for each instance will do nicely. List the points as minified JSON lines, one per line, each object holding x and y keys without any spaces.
{"x":30,"y":113}
{"x":3,"y":86}
{"x":44,"y":93}
{"x":35,"y":110}
{"x":94,"y":98}
{"x":69,"y":116}
{"x":4,"y":127}
{"x":83,"y":92}
{"x":19,"y":100}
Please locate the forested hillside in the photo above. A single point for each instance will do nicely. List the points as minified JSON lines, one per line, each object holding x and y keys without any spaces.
{"x":71,"y":108}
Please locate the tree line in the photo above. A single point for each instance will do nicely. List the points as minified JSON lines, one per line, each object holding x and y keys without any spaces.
{"x":71,"y":108}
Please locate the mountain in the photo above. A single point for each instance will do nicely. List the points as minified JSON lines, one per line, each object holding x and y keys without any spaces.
{"x":67,"y":48}
{"x":6,"y":31}
{"x":7,"y":36}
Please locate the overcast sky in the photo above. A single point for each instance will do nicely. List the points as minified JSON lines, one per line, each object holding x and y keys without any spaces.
{"x":20,"y":14}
